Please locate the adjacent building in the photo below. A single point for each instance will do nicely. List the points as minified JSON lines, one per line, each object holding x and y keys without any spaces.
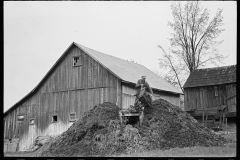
{"x":211,"y":92}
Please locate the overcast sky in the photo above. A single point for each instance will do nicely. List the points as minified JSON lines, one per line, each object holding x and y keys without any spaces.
{"x":37,"y":33}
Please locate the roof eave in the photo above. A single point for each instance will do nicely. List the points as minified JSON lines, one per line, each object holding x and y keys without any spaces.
{"x":154,"y":88}
{"x":207,"y":85}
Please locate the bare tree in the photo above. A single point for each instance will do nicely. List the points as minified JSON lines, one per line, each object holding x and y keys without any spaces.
{"x":192,"y":42}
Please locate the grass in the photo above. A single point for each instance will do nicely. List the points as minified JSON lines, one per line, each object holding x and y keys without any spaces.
{"x":228,"y":150}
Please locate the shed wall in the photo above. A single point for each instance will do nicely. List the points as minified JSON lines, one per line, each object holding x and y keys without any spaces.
{"x":199,"y":98}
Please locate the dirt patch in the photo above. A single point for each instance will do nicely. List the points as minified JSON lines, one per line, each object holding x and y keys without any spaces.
{"x":99,"y":132}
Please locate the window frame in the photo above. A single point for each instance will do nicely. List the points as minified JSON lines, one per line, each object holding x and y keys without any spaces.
{"x":20,"y":117}
{"x":33,"y":121}
{"x":79,"y":63}
{"x":75,"y":117}
{"x":53,"y":121}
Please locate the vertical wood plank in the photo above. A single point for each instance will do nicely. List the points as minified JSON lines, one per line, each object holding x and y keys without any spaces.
{"x":86,"y":91}
{"x":67,"y":104}
{"x":92,"y":73}
{"x":80,"y":110}
{"x":84,"y":101}
{"x":81,"y":70}
{"x":63,"y":80}
{"x":100,"y":77}
{"x":84,"y":70}
{"x":89,"y":72}
{"x":203,"y":117}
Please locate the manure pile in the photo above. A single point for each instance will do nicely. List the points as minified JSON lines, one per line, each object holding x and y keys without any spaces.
{"x":99,"y":132}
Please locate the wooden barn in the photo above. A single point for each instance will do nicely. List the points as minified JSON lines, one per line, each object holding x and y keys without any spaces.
{"x":80,"y":79}
{"x":211,"y":93}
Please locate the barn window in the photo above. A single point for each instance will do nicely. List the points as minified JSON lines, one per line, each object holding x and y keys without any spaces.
{"x":20,"y":117}
{"x":54,"y":118}
{"x":216,"y":91}
{"x":31,"y":122}
{"x":77,"y":61}
{"x":72,"y":117}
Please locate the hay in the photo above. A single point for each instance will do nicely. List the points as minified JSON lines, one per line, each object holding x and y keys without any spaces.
{"x":99,"y":132}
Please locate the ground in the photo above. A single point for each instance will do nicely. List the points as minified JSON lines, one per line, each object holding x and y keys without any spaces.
{"x":229,"y":150}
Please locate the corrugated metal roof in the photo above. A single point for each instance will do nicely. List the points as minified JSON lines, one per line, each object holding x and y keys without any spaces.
{"x":212,"y":76}
{"x":130,"y":71}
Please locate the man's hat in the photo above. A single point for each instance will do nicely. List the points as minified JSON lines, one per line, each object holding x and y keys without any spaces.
{"x":143,"y":76}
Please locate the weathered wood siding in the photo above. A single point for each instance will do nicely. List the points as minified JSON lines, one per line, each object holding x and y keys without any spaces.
{"x":199,"y":98}
{"x":67,"y":89}
{"x":170,"y":97}
{"x":21,"y":129}
{"x":231,"y":97}
{"x":128,"y":98}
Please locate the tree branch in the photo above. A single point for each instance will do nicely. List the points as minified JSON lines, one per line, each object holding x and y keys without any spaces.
{"x":172,"y":67}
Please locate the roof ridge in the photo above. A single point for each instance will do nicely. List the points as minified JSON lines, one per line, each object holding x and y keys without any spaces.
{"x":216,"y":67}
{"x":109,"y":54}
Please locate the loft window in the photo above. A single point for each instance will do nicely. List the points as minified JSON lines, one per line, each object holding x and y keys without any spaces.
{"x":31,"y":122}
{"x":72,"y":117}
{"x":20,"y":117}
{"x":77,"y":61}
{"x":54,"y":118}
{"x":216,"y":91}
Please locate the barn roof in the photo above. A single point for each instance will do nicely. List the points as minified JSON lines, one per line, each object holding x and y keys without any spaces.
{"x":130,"y":71}
{"x":124,"y":70}
{"x":211,"y":76}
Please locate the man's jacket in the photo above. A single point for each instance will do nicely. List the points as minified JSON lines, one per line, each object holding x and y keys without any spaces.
{"x":145,"y":84}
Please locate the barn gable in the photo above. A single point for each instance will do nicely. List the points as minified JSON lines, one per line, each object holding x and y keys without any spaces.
{"x":64,"y":94}
{"x":122,"y":69}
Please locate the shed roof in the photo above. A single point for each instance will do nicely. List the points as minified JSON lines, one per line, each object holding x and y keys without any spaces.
{"x":211,"y":76}
{"x":130,"y":71}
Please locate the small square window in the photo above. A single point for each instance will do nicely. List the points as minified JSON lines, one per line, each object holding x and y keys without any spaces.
{"x":72,"y":117}
{"x":77,"y":61}
{"x":54,"y":118}
{"x":31,"y":122}
{"x":20,"y":117}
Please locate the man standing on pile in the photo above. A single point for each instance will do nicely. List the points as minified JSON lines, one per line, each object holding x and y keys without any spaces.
{"x":142,"y":83}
